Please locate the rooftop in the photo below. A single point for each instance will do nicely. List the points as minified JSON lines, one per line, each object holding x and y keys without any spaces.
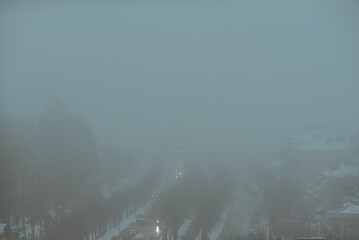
{"x":348,"y":211}
{"x":344,"y":170}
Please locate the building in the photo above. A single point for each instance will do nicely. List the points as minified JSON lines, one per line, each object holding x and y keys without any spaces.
{"x":306,"y":156}
{"x":345,"y":222}
{"x":341,"y":184}
{"x":291,"y":228}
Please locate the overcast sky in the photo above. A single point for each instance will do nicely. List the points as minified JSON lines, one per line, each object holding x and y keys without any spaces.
{"x":153,"y":74}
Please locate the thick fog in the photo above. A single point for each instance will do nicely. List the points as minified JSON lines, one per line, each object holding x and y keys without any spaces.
{"x":122,"y":93}
{"x":212,"y":74}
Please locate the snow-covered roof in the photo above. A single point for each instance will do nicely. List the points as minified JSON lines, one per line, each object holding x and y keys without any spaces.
{"x":348,"y":211}
{"x":320,"y":141}
{"x":351,"y":209}
{"x":344,"y":170}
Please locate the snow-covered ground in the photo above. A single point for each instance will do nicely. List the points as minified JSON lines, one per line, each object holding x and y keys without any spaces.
{"x":125,"y":222}
{"x":199,"y":236}
{"x":185,"y":225}
{"x":217,"y":229}
{"x":238,"y":217}
{"x":130,"y":180}
{"x":28,"y":229}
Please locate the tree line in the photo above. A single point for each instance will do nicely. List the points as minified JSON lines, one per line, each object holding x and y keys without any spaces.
{"x":52,"y":174}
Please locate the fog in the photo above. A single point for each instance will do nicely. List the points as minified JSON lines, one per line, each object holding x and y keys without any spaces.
{"x":218,"y":80}
{"x":184,"y":73}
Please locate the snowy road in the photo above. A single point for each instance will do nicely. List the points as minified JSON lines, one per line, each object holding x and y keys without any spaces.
{"x":238,"y":218}
{"x":125,"y":222}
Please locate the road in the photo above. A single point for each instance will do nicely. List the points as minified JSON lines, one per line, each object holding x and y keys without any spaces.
{"x":149,"y":231}
{"x":242,"y":210}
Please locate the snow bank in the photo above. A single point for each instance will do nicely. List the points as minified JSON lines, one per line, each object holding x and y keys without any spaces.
{"x":183,"y":229}
{"x":131,"y":179}
{"x":217,"y":229}
{"x":126,"y":221}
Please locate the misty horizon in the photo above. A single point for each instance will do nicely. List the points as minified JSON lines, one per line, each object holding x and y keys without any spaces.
{"x":161,"y":74}
{"x":179,"y":120}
